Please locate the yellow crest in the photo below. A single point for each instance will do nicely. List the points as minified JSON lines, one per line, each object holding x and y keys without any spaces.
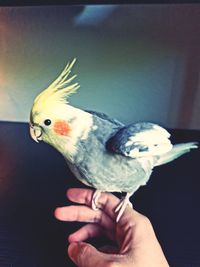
{"x":59,"y":90}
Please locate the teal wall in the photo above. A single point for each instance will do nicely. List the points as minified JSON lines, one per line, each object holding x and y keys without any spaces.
{"x":130,"y":59}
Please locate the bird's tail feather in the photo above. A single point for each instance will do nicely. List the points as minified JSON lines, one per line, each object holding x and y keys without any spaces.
{"x":177,"y":151}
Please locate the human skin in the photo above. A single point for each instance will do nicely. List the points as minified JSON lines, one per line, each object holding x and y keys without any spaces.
{"x":136,"y":242}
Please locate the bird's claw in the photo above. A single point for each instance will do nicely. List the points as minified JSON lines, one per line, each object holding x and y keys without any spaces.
{"x":95,"y":199}
{"x":122,"y":206}
{"x":119,"y":209}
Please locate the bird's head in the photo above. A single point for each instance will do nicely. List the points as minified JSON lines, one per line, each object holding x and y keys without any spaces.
{"x":53,"y":120}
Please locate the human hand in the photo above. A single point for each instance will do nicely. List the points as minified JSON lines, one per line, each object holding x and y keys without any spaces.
{"x":137,"y":245}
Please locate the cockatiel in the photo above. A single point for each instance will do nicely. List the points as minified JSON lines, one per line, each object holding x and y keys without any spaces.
{"x":101,"y":152}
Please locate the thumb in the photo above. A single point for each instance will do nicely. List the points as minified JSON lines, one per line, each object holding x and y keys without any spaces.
{"x":85,"y":255}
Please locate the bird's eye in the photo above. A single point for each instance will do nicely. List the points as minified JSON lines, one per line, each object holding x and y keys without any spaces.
{"x":47,"y":122}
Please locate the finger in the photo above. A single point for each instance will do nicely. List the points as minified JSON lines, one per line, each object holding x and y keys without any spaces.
{"x":85,"y":255}
{"x":90,"y":231}
{"x":86,"y":232}
{"x":107,"y":201}
{"x":84,"y":214}
{"x":76,"y":213}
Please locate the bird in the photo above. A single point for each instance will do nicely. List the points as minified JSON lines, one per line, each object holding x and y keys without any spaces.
{"x":101,"y":151}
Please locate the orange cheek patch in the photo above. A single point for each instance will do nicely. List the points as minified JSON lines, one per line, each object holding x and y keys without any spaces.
{"x":61,"y":127}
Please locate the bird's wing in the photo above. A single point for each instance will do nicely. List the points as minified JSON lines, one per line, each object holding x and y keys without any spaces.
{"x":140,"y":140}
{"x":103,"y":116}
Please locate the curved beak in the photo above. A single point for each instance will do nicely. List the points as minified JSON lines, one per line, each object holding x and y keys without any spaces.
{"x":36,"y":133}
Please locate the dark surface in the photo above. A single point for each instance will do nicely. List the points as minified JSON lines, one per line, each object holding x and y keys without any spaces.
{"x":84,"y":2}
{"x":34,"y":179}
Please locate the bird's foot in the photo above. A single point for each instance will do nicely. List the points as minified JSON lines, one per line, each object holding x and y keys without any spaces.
{"x":122,"y":206}
{"x":95,"y":199}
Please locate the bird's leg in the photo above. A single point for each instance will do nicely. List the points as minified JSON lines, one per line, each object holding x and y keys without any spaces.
{"x":95,"y":199}
{"x":122,"y":205}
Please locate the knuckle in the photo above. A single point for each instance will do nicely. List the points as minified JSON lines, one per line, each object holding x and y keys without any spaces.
{"x":98,"y":217}
{"x":146,"y":225}
{"x":88,"y":199}
{"x":145,"y":220}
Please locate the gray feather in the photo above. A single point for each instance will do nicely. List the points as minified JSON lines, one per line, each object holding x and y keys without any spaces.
{"x":105,"y":168}
{"x":140,"y":139}
{"x":177,"y":151}
{"x":105,"y":117}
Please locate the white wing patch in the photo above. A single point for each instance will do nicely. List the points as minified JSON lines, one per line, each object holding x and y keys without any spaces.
{"x":150,"y":142}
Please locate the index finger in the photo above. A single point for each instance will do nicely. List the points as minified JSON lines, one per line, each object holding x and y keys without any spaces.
{"x":107,"y":201}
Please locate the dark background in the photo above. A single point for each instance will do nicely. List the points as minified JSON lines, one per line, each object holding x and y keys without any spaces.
{"x":33,"y":182}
